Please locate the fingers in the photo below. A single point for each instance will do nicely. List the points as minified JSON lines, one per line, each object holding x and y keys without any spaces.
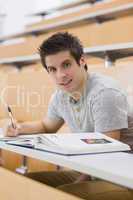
{"x":10,"y":131}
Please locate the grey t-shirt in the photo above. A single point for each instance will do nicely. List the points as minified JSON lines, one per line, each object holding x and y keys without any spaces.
{"x":102,"y":107}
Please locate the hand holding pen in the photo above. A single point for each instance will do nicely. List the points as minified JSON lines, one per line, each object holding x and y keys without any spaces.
{"x":11,"y":117}
{"x":13,"y":127}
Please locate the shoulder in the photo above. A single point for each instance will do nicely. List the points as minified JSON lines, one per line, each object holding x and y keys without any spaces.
{"x":104,"y":86}
{"x":111,"y":95}
{"x":110,"y":101}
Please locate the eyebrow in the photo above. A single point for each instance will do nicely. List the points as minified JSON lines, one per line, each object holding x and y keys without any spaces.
{"x":67,"y":60}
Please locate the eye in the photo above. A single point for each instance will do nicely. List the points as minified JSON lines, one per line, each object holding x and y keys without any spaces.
{"x":67,"y":65}
{"x":51,"y":69}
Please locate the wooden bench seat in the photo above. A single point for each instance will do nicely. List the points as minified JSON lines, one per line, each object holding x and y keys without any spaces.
{"x":14,"y":187}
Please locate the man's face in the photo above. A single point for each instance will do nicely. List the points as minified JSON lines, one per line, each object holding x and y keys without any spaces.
{"x":65,"y":72}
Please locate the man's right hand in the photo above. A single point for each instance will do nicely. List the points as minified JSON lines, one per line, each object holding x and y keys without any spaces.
{"x":9,"y":131}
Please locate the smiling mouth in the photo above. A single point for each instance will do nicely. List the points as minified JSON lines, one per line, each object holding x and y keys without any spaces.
{"x":65,"y":84}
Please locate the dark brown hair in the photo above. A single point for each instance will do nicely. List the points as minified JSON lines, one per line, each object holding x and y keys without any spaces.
{"x":62,"y":41}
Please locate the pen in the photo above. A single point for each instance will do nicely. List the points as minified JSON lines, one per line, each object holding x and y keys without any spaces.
{"x":11,"y":116}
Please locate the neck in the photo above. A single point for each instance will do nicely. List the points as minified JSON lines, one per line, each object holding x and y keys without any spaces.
{"x":76,"y":95}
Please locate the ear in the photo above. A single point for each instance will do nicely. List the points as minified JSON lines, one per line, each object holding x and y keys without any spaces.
{"x":82,"y":61}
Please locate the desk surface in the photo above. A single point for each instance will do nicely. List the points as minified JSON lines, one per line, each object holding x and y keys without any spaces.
{"x":113,"y":167}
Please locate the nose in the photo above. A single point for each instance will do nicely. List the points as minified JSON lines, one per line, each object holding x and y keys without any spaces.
{"x":60,"y":74}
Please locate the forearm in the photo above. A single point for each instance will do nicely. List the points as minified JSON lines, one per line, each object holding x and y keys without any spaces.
{"x":45,"y":126}
{"x":32,"y":127}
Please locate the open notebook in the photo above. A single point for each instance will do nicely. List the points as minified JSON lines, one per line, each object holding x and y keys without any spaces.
{"x":70,"y":144}
{"x":78,"y":143}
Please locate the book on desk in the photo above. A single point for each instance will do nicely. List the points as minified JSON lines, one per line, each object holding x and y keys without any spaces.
{"x":71,"y":144}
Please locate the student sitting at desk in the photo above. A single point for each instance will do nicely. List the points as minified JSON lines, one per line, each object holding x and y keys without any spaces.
{"x":87,"y":103}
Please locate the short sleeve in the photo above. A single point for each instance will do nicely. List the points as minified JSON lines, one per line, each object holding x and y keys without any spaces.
{"x":110,"y":111}
{"x":53,"y":108}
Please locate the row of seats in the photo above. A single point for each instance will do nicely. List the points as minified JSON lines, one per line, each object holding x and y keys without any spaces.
{"x":111,"y":32}
{"x":91,"y":34}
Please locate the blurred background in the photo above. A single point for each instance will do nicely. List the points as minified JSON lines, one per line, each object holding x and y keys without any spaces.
{"x":14,"y":14}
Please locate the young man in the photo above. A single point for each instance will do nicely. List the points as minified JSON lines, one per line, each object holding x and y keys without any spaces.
{"x":86,"y":102}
